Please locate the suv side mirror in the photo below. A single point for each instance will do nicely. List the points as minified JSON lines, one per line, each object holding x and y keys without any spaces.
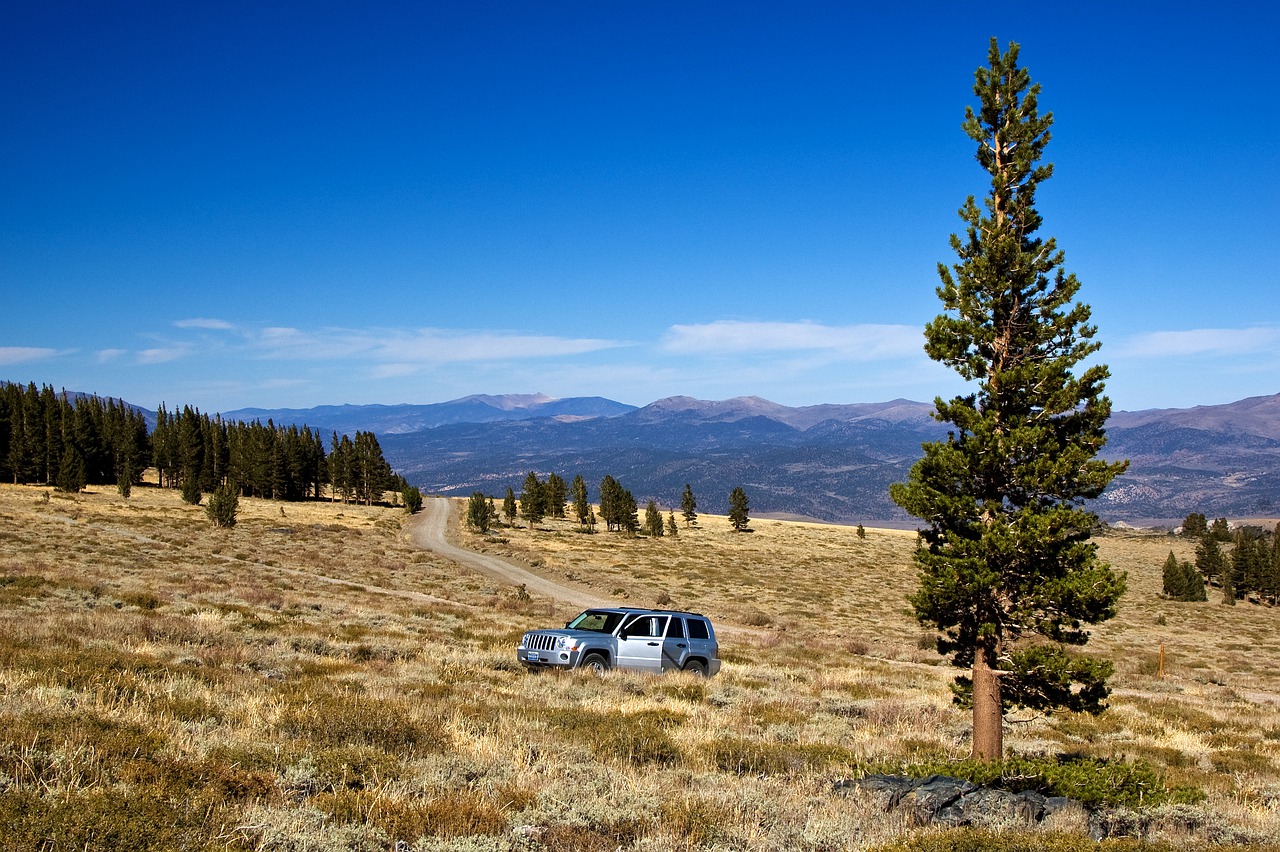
{"x":622,"y":634}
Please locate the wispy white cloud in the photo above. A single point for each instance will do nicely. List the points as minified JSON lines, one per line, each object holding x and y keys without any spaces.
{"x":106,"y":356}
{"x":862,"y":342}
{"x":161,"y":355}
{"x":395,"y":371}
{"x":1224,"y":342}
{"x":399,"y":351}
{"x":205,"y":323}
{"x":25,"y":354}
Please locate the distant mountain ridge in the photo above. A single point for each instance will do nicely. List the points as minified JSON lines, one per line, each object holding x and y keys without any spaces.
{"x":404,"y":418}
{"x":802,"y":418}
{"x":1257,"y":415}
{"x":826,"y":462}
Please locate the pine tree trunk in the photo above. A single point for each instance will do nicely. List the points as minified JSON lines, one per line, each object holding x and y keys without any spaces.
{"x":988,"y":718}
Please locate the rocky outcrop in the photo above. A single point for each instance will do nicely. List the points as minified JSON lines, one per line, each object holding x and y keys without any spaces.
{"x":942,"y":800}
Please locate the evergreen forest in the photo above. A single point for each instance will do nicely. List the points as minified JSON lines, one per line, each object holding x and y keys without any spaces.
{"x":1249,"y":570}
{"x":72,"y":441}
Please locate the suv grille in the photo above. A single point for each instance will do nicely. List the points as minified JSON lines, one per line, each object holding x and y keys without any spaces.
{"x":539,"y":641}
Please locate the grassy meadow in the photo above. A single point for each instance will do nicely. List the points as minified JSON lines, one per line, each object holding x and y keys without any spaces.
{"x":307,"y":680}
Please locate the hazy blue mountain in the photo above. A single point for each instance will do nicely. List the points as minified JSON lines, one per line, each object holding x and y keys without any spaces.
{"x":827,"y":462}
{"x":399,"y":419}
{"x":834,"y":469}
{"x":834,"y":463}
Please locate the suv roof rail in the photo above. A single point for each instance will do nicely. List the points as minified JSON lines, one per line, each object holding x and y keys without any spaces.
{"x":649,"y":609}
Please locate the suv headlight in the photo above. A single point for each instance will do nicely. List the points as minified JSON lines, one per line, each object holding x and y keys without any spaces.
{"x":566,"y":643}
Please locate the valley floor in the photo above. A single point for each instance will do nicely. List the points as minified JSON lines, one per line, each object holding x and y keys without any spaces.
{"x":310,"y":679}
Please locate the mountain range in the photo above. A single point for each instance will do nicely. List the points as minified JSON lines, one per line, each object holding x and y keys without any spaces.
{"x":826,"y":462}
{"x":400,"y":419}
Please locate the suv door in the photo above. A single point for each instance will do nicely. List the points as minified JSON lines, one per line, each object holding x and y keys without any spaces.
{"x":675,"y":647}
{"x":640,"y":643}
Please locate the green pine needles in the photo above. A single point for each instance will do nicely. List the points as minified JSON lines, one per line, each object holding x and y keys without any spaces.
{"x":223,"y":505}
{"x":1008,"y":574}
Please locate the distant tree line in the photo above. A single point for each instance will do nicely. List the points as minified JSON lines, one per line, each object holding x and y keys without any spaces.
{"x":54,"y":438}
{"x":198,"y":452}
{"x":1250,"y":570}
{"x":69,"y":442}
{"x":542,"y":498}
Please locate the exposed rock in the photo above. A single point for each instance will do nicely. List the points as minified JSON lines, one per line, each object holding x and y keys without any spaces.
{"x":942,"y":800}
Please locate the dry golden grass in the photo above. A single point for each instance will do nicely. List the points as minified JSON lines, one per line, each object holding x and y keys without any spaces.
{"x":308,"y":680}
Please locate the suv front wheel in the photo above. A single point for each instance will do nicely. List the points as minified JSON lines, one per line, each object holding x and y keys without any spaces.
{"x":596,"y":664}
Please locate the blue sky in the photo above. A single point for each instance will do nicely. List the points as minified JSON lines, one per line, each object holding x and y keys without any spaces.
{"x":266,"y":204}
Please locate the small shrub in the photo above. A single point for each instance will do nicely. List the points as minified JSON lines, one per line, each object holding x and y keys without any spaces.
{"x":754,"y":757}
{"x":983,"y":840}
{"x":223,"y":505}
{"x":573,"y":838}
{"x":1236,"y":762}
{"x":142,"y":600}
{"x":637,"y":739}
{"x":17,"y":587}
{"x":1094,"y":782}
{"x":120,"y":820}
{"x":694,"y":820}
{"x":412,"y":498}
{"x":455,"y":814}
{"x":346,"y":719}
{"x":684,"y":689}
{"x":191,"y":494}
{"x":341,"y":768}
{"x":190,"y":709}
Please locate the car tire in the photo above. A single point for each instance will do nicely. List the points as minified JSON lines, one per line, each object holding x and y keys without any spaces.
{"x":697,"y":668}
{"x":595,"y":664}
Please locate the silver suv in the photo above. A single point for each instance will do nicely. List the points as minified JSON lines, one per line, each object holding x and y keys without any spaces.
{"x":648,"y":640}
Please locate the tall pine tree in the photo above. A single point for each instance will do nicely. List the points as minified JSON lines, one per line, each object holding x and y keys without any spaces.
{"x":533,"y":499}
{"x":653,"y":525}
{"x":581,"y":508}
{"x":1006,"y":555}
{"x":553,"y":496}
{"x":1210,"y":560}
{"x":689,"y":507}
{"x":509,"y":507}
{"x":739,"y":510}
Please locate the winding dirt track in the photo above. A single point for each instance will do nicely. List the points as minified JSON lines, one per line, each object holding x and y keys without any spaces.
{"x":428,"y":529}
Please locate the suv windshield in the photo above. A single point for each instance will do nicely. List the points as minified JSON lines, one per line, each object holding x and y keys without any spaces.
{"x":596,"y":621}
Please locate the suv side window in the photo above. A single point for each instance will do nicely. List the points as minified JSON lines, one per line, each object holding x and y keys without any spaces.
{"x":698,"y":629}
{"x":647,"y":625}
{"x":676,"y":630}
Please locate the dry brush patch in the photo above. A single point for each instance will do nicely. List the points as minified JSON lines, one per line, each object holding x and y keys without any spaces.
{"x":307,"y":680}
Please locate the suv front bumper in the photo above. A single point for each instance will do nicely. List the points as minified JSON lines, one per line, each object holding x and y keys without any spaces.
{"x":540,"y":659}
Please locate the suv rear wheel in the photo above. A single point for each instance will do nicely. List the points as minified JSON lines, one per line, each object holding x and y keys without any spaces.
{"x":696,"y":668}
{"x":595,"y":663}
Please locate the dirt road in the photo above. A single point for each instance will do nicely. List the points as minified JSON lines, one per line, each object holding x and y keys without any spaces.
{"x":428,"y":529}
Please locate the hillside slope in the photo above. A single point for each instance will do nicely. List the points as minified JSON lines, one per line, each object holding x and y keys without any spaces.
{"x":1221,"y":460}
